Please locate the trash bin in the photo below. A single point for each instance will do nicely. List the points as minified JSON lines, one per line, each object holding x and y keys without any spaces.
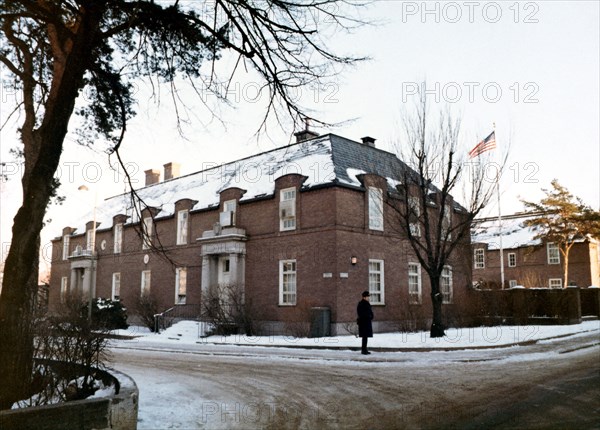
{"x":320,"y":322}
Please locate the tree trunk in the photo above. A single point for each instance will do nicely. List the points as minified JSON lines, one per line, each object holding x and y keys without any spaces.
{"x":437,"y":327}
{"x":566,"y":269}
{"x":42,"y":150}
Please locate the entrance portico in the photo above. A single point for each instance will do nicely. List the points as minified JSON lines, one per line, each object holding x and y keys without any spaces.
{"x":223,"y":259}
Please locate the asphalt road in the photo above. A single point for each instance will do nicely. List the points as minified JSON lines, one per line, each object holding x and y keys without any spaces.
{"x":549,"y":385}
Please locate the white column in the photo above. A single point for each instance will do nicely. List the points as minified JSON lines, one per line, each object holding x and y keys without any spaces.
{"x":205,"y":280}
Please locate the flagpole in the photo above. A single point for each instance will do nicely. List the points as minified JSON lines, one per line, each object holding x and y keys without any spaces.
{"x":499,"y":220}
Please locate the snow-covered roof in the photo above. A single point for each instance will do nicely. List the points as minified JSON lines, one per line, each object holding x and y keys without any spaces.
{"x":327,"y":159}
{"x":514,"y":233}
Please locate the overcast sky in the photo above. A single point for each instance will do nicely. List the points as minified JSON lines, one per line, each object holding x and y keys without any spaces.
{"x":532,"y":68}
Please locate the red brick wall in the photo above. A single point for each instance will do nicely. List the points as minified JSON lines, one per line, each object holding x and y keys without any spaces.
{"x":532,"y":268}
{"x":332,"y":226}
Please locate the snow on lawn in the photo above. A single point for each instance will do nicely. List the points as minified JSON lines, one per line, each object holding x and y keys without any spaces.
{"x":187,"y":332}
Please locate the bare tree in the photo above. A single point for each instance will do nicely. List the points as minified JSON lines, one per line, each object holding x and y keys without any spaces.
{"x":54,"y":51}
{"x":436,"y":225}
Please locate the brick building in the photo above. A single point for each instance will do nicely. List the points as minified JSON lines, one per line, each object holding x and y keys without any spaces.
{"x":302,"y":226}
{"x":529,"y":262}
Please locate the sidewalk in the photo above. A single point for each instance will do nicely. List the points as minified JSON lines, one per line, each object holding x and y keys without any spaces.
{"x":186,"y":332}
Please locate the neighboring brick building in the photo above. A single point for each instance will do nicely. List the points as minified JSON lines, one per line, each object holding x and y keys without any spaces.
{"x":302,"y":226}
{"x":529,"y":262}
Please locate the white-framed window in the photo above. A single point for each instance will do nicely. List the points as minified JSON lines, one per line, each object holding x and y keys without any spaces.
{"x":512,"y":283}
{"x":182,"y":226}
{"x":553,"y":253}
{"x":447,"y":223}
{"x":415,"y":229}
{"x":180,"y":285}
{"x":287,"y":209}
{"x":147,"y":233}
{"x":90,"y":240}
{"x":228,"y":214}
{"x":555,"y":283}
{"x":512,"y":259}
{"x":145,"y":284}
{"x":479,"y":258}
{"x":65,"y":249}
{"x":64,"y":285}
{"x":375,"y":209}
{"x":229,"y":206}
{"x":446,"y":285}
{"x":116,"y":286}
{"x":287,"y":282}
{"x":414,"y":284}
{"x":118,"y":238}
{"x":414,"y":207}
{"x":376,"y":282}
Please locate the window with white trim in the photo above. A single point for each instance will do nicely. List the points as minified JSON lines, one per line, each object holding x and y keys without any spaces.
{"x":479,"y":258}
{"x":287,"y":282}
{"x":375,"y":208}
{"x":64,"y":285}
{"x":414,"y":283}
{"x":180,"y":285}
{"x":555,"y":283}
{"x":553,"y":253}
{"x":118,"y":238}
{"x":446,"y":285}
{"x":512,"y":259}
{"x":414,"y":207}
{"x":287,"y":209}
{"x":90,"y":240}
{"x":228,"y":215}
{"x":116,"y":286}
{"x":376,"y":282}
{"x":512,"y":283}
{"x":182,"y":226}
{"x":147,"y":233}
{"x":145,"y":284}
{"x":65,"y":249}
{"x":447,"y":223}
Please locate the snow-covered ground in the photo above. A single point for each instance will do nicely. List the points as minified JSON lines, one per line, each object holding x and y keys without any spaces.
{"x":188,"y":333}
{"x":472,"y":375}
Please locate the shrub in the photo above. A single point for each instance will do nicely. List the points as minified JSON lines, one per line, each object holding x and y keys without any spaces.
{"x":229,"y":313}
{"x":68,"y":348}
{"x":107,"y":314}
{"x":146,"y":308}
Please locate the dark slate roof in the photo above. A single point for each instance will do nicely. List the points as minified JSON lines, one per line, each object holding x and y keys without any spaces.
{"x":324,"y":160}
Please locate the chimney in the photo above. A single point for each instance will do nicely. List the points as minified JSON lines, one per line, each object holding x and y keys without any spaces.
{"x":303,"y":135}
{"x":152,"y":176}
{"x":171,"y":170}
{"x":368,"y":141}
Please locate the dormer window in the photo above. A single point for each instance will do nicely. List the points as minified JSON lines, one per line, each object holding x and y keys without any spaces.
{"x":182,"y":227}
{"x":447,"y":223}
{"x":147,"y":233}
{"x":287,"y":209}
{"x":90,"y":240}
{"x":65,"y":250}
{"x":414,"y":207}
{"x":375,"y":208}
{"x":227,"y":217}
{"x":118,"y":238}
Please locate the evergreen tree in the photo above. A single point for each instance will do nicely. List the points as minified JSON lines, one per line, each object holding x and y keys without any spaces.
{"x":562,"y":219}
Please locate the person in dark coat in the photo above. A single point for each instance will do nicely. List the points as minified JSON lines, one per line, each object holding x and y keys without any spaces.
{"x":365,"y":316}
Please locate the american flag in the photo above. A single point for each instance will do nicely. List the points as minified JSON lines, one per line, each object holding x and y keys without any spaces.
{"x":486,"y":144}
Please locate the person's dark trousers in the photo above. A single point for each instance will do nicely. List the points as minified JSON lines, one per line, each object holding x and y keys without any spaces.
{"x":364,"y":345}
